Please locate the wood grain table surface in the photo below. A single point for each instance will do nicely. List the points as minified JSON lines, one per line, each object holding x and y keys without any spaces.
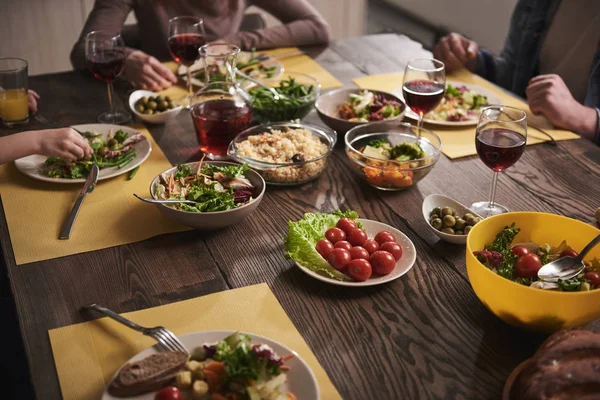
{"x":424,"y":336}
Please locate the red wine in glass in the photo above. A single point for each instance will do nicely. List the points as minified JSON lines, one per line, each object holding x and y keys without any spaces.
{"x":423,"y":95}
{"x":184,"y":47}
{"x":218,"y":122}
{"x":106,"y":65}
{"x":499,"y":148}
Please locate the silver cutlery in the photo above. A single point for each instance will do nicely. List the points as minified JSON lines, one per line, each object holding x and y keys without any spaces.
{"x":163,"y":336}
{"x":157,"y":201}
{"x":46,"y":121}
{"x":566,"y":267}
{"x":551,"y":142}
{"x":265,"y":57}
{"x":276,"y":94}
{"x":88,"y":187}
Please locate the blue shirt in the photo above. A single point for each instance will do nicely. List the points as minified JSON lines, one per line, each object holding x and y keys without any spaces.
{"x":519,"y":59}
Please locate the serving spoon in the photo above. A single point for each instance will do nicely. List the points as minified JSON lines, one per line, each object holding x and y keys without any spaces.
{"x":276,"y":94}
{"x":170,"y":201}
{"x":566,"y":267}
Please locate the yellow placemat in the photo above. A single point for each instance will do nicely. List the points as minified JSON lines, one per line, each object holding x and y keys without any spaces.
{"x":300,"y":63}
{"x":460,"y":142}
{"x":87,"y":355}
{"x":110,"y":216}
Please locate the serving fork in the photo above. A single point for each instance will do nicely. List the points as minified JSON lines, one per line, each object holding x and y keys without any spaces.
{"x":163,"y":336}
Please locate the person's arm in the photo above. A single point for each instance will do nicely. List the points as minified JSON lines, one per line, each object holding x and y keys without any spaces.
{"x":64,"y":142}
{"x":302,"y":26}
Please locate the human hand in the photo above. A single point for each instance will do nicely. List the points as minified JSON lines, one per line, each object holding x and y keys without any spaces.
{"x":32,"y":98}
{"x":456,"y":51}
{"x":147,"y":73}
{"x":63,"y":142}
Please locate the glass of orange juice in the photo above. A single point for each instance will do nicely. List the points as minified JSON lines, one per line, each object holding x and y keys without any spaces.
{"x":13,"y":92}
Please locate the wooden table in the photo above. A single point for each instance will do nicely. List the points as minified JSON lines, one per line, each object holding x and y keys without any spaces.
{"x":423,"y":336}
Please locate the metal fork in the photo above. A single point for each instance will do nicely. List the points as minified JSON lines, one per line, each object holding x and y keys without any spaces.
{"x":551,"y":142}
{"x":46,"y":121}
{"x":163,"y":336}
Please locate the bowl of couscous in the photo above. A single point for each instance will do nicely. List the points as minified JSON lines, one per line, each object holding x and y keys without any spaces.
{"x":283,"y":153}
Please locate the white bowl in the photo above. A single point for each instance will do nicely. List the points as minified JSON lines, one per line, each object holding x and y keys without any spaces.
{"x":159,"y":118}
{"x":438,"y":200}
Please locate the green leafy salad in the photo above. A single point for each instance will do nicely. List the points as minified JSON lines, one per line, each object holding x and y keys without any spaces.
{"x":116,"y":150}
{"x":460,"y":103}
{"x":521,"y":262}
{"x":212,"y":187}
{"x":298,"y":101}
{"x":303,"y":235}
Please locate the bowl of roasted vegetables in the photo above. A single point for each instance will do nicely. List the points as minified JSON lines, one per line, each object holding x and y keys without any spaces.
{"x":503,"y":256}
{"x":298,"y":94}
{"x":343,"y":109}
{"x":223,"y":193}
{"x":389,"y":155}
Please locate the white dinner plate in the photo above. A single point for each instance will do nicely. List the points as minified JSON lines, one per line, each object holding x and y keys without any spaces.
{"x":403,"y":265}
{"x":33,"y":165}
{"x":300,"y":379}
{"x":492,"y":99}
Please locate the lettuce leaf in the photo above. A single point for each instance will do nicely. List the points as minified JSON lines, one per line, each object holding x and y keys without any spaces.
{"x":303,"y":236}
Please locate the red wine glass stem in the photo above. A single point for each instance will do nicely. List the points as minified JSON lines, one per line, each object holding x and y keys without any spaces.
{"x":493,"y":191}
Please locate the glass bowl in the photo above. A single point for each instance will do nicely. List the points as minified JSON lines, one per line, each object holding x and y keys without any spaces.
{"x":284,"y":110}
{"x":272,"y":158}
{"x":391,"y":175}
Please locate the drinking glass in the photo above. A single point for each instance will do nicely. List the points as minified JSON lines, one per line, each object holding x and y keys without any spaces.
{"x":105,"y":55}
{"x":186,"y":36}
{"x":500,"y":141}
{"x":13,"y":92}
{"x":423,"y":85}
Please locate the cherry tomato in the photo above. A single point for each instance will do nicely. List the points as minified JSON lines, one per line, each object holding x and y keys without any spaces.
{"x":384,"y":236}
{"x":392,"y":248}
{"x":528,"y":266}
{"x":382,"y":262}
{"x":324,"y":247}
{"x":342,"y":244}
{"x":169,"y":393}
{"x":360,"y":270}
{"x":334,"y":235}
{"x":357,"y":237}
{"x":593,"y":277}
{"x":347,"y":225}
{"x":371,"y":246}
{"x":359,"y":252}
{"x":339,"y":258}
{"x":520,"y":251}
{"x":568,"y":253}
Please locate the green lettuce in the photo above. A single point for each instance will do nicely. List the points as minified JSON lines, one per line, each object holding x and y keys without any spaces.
{"x":303,"y":236}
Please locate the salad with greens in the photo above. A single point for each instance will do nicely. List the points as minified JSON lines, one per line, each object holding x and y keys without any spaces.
{"x":236,"y":369}
{"x":116,"y":150}
{"x":296,"y":102}
{"x":458,"y":104}
{"x":521,"y":262}
{"x":367,"y":106}
{"x":212,"y":187}
{"x":303,"y":236}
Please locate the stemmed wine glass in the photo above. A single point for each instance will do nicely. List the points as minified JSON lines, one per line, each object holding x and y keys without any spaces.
{"x":105,"y":56}
{"x":423,"y":85}
{"x":500,"y":141}
{"x":186,"y":36}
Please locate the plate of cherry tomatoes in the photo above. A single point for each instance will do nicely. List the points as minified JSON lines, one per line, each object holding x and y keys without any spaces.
{"x":373,"y":255}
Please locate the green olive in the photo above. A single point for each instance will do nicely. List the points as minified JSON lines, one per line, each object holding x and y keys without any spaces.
{"x":139,"y":108}
{"x":458,"y":233}
{"x":159,"y":98}
{"x":152,"y":105}
{"x":102,"y":151}
{"x":437,"y":224}
{"x":436,"y":211}
{"x":449,"y":221}
{"x":163,"y":105}
{"x":448,"y":230}
{"x":434,"y":216}
{"x":467,"y":229}
{"x":112,"y":142}
{"x":467,"y":216}
{"x":88,"y":157}
{"x":143,"y":101}
{"x":447,"y":211}
{"x":167,"y":98}
{"x":149,"y":112}
{"x":460,"y":224}
{"x":471,"y":221}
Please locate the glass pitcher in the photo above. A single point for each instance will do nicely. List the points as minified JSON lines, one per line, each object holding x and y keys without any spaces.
{"x":218,"y":110}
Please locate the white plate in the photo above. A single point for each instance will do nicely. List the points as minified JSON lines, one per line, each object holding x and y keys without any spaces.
{"x":33,"y":165}
{"x":243,"y":57}
{"x":403,"y":265}
{"x":492,"y":99}
{"x":300,"y":379}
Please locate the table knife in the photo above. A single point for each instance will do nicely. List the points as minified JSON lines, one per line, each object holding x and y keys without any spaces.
{"x":88,"y":187}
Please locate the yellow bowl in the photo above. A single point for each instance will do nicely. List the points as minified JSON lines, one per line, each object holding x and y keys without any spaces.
{"x":528,"y":308}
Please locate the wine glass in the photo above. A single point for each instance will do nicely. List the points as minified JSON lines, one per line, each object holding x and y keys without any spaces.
{"x":500,"y":141}
{"x":423,"y":85}
{"x":186,"y":36}
{"x":105,"y":56}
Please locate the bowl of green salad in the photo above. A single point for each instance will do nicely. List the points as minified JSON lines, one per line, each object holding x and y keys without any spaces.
{"x":298,"y":91}
{"x":217,"y":194}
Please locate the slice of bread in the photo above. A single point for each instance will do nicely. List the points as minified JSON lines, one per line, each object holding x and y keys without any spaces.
{"x":151,"y":373}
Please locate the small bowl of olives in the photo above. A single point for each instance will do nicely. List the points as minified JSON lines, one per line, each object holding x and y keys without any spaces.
{"x":152,"y":107}
{"x":448,"y":219}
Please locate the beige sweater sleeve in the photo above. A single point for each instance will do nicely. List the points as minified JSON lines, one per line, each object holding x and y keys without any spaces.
{"x":302,"y":26}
